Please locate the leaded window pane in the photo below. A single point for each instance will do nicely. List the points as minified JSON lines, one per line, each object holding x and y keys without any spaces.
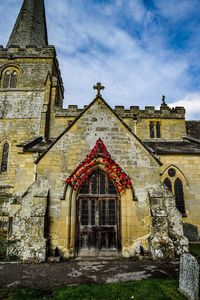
{"x":102,"y":183}
{"x":95,"y":183}
{"x":4,"y":163}
{"x":84,"y":212}
{"x":168,"y":183}
{"x":179,"y":195}
{"x":111,"y":187}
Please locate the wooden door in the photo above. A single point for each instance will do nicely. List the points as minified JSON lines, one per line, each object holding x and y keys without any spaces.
{"x":98,"y":218}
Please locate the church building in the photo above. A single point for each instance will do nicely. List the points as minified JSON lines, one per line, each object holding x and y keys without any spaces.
{"x":92,"y":181}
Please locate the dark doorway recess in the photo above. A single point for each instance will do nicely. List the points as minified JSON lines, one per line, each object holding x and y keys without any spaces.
{"x":98,"y":217}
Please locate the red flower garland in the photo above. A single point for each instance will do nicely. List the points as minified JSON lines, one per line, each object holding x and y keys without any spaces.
{"x":113,"y":170}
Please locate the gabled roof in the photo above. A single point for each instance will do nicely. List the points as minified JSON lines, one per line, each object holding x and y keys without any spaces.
{"x":83,"y":112}
{"x":30,"y":27}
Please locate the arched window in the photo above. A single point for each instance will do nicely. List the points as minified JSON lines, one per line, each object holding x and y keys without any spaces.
{"x":98,"y":183}
{"x":175,"y":180}
{"x":178,"y":190}
{"x":168,"y":183}
{"x":9,"y":78}
{"x":4,"y":163}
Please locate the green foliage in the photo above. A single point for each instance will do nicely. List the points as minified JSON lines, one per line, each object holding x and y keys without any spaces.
{"x":150,"y":289}
{"x":22,"y":294}
{"x":195,"y":250}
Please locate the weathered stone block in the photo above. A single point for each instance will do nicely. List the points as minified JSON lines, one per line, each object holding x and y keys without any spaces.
{"x":189,"y":276}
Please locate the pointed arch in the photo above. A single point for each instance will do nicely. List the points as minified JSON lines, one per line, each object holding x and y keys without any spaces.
{"x":179,"y":173}
{"x":176,"y":181}
{"x":99,"y":157}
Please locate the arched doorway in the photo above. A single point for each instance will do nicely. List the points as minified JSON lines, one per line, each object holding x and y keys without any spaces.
{"x":98,"y":217}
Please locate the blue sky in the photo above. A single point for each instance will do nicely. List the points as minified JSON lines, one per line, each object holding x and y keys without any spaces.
{"x":139,"y":49}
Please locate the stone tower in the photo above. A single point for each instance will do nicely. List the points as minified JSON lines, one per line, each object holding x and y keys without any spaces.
{"x":30,"y":86}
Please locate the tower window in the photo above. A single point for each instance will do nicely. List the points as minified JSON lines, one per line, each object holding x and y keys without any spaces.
{"x":154,"y":129}
{"x":9,"y":78}
{"x":151,"y":128}
{"x":4,"y":163}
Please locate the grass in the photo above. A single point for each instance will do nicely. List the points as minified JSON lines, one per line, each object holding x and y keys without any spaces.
{"x":195,"y":250}
{"x":151,"y":289}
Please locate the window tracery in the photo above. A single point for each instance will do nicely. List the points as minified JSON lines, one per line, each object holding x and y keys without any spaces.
{"x":175,"y":184}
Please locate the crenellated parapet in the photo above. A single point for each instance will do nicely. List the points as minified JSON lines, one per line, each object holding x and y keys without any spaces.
{"x":15,"y":51}
{"x":150,"y":112}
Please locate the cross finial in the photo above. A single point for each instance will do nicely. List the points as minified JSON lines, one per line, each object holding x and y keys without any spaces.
{"x":98,"y":87}
{"x":163,"y":101}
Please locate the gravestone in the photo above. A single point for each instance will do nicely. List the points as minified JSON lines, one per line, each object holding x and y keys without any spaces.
{"x":189,"y":276}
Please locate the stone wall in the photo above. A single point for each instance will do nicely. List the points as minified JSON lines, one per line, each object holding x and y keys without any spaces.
{"x":61,"y":160}
{"x":26,"y":239}
{"x":172,"y":120}
{"x":189,"y":173}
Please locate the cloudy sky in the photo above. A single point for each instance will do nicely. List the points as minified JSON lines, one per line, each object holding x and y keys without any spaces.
{"x":139,"y":49}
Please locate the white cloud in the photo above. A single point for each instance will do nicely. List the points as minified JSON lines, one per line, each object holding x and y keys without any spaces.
{"x":177,"y":10}
{"x":191,"y":102}
{"x":93,"y":46}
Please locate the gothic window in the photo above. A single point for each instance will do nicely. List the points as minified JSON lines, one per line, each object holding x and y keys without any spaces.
{"x":98,"y":183}
{"x":178,"y":190}
{"x":4,"y":163}
{"x":154,"y":129}
{"x":168,"y":183}
{"x":174,"y":181}
{"x":9,"y":78}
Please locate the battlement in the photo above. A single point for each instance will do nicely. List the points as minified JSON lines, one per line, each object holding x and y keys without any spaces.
{"x":150,"y":112}
{"x":15,"y":51}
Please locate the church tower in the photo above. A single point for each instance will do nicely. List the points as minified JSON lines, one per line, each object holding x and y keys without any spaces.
{"x":30,"y":87}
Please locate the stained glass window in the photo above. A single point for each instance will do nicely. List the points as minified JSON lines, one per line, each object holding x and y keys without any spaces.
{"x":98,"y":183}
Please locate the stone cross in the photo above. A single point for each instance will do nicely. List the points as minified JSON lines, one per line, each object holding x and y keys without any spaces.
{"x":98,"y":87}
{"x":189,"y":276}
